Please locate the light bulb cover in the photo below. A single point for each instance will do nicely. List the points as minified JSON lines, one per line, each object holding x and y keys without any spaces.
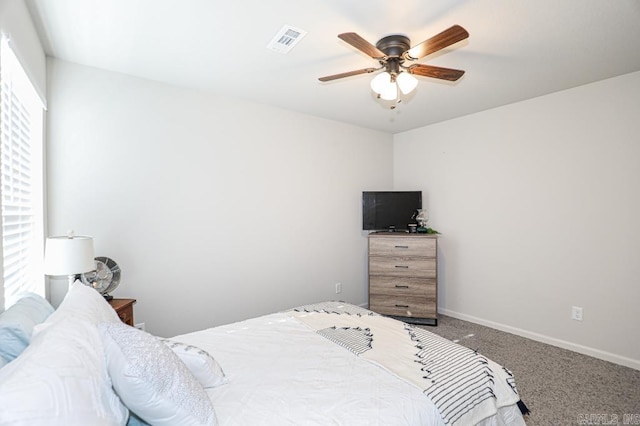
{"x":390,"y":92}
{"x":380,"y":82}
{"x":406,"y":82}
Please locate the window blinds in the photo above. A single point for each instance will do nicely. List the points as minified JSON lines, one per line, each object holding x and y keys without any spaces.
{"x":21,"y":179}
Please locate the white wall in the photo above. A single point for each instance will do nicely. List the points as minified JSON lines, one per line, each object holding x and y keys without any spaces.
{"x":538,"y":203}
{"x":216,"y":209}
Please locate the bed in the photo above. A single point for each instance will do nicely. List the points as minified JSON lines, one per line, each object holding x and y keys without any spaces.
{"x":329,"y":363}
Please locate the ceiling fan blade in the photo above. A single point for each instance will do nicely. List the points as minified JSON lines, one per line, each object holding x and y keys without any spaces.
{"x":347,"y":74}
{"x":435,"y":72}
{"x":362,"y":45}
{"x":437,"y":42}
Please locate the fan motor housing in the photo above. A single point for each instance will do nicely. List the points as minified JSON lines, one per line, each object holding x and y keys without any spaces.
{"x":394,"y":45}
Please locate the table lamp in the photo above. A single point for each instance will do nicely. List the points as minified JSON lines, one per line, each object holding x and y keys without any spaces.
{"x":68,"y":255}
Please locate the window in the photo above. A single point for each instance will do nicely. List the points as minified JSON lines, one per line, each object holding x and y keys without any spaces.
{"x":21,"y":164}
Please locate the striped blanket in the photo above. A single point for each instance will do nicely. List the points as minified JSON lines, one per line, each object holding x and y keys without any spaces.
{"x":464,"y":386}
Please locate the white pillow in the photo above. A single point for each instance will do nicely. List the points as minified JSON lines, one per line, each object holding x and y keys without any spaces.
{"x":82,"y":303}
{"x":60,"y":379}
{"x":152,"y":381}
{"x":201,"y":364}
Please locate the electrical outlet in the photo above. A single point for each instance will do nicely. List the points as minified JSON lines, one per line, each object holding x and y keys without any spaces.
{"x":576,"y":313}
{"x":139,"y":326}
{"x":338,"y":288}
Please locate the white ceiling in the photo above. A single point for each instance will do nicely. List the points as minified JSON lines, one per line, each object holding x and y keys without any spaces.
{"x":517,"y":49}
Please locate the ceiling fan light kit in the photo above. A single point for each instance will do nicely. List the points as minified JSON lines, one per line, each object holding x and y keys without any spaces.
{"x":392,"y":52}
{"x":386,"y":85}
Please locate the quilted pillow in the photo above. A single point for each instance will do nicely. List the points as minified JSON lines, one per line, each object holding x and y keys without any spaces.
{"x":17,"y":323}
{"x":60,"y":379}
{"x":152,"y":381}
{"x":201,"y":364}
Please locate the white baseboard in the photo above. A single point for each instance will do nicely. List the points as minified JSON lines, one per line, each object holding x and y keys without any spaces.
{"x":596,"y":353}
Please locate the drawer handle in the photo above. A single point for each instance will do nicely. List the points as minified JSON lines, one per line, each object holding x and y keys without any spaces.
{"x":402,"y":306}
{"x":401,"y":286}
{"x":403,"y":247}
{"x":402,"y":267}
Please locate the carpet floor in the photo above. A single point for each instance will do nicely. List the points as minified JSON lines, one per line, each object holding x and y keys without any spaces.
{"x":559,"y":386}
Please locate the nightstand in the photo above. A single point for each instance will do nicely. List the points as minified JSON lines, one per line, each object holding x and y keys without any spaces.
{"x":124,"y":309}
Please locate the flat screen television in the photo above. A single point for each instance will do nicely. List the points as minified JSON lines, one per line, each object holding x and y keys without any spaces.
{"x":389,"y":210}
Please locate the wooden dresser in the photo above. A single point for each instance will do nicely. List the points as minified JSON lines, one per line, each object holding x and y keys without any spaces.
{"x":403,"y":276}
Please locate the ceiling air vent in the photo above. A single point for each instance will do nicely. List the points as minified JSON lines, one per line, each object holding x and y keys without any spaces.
{"x":286,"y":38}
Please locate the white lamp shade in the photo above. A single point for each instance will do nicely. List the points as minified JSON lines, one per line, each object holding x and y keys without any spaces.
{"x":380,"y":82}
{"x":390,"y":92}
{"x":406,"y":82}
{"x":68,"y":255}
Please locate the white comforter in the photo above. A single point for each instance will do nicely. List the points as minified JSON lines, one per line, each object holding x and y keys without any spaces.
{"x":283,"y":373}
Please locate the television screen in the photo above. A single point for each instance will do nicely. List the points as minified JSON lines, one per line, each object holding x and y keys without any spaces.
{"x":389,"y":210}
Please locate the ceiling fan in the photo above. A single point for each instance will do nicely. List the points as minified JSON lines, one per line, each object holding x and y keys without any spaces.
{"x":393,"y":51}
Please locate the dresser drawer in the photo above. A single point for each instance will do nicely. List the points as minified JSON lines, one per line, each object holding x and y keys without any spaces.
{"x":124,"y":309}
{"x":126,"y":315}
{"x":402,"y":287}
{"x":402,"y":267}
{"x":402,"y":246}
{"x":419,"y":307}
